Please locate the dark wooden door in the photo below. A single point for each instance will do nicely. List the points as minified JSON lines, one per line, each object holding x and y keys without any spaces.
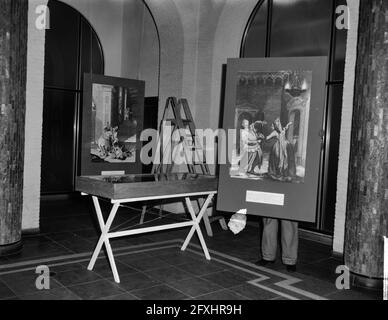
{"x":72,"y":48}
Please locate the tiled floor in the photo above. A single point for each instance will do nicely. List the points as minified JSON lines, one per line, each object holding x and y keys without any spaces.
{"x":152,"y":266}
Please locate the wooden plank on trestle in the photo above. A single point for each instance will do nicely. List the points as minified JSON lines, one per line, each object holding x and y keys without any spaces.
{"x":146,"y":185}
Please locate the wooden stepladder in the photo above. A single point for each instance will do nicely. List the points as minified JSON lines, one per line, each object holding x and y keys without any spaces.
{"x":191,"y":148}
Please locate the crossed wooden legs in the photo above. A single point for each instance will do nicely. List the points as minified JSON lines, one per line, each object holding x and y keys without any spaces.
{"x":105,"y":235}
{"x":207,"y":219}
{"x":104,"y":239}
{"x":196,"y":227}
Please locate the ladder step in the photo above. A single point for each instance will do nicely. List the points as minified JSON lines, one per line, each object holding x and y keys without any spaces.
{"x":185,"y":121}
{"x":189,"y":138}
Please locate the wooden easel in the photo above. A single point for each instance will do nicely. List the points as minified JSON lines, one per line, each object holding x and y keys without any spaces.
{"x":189,"y":140}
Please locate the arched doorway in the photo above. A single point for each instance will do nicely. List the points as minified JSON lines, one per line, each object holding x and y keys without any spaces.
{"x":123,"y":42}
{"x":279,"y":28}
{"x":72,"y":48}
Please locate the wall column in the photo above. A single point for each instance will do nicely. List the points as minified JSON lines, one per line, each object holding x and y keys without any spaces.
{"x":367,"y":205}
{"x":13,"y":61}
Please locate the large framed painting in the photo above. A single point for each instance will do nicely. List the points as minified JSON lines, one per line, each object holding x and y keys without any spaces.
{"x":274,"y":108}
{"x":112,"y":120}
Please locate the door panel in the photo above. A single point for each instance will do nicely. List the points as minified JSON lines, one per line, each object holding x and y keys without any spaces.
{"x":72,"y":47}
{"x":58,"y":141}
{"x":339,"y":50}
{"x":255,"y":39}
{"x":61,"y":51}
{"x":301,"y":28}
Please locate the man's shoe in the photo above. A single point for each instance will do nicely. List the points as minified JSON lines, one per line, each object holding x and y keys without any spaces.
{"x":291,"y":268}
{"x":263,"y":262}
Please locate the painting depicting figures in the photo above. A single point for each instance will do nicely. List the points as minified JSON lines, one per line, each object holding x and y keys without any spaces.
{"x":271,"y":121}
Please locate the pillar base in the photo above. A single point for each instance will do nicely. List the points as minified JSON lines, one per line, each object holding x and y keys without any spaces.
{"x":369,"y":283}
{"x":10,"y":249}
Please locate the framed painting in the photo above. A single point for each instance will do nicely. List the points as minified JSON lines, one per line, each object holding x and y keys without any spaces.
{"x":112,"y":120}
{"x":274,"y":108}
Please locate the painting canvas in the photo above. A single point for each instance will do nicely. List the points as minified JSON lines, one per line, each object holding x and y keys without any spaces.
{"x":114,"y":126}
{"x":271,"y":120}
{"x":275,"y":108}
{"x":113,"y":120}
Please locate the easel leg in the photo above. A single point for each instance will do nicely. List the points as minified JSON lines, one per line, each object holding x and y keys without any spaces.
{"x":223,"y":224}
{"x":143,"y":214}
{"x":196,"y":226}
{"x":104,"y":238}
{"x":208,"y":219}
{"x":208,"y":226}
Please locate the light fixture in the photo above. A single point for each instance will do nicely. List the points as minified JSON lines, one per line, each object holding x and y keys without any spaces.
{"x":295,"y":86}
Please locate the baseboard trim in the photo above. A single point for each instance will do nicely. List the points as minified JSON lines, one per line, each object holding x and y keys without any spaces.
{"x":316,"y":237}
{"x":370,"y":283}
{"x":10,"y":249}
{"x":307,"y":235}
{"x":32,"y":231}
{"x":59,"y":196}
{"x":338,"y":255}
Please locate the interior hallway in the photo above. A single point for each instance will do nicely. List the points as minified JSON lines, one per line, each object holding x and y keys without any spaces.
{"x":151,"y":266}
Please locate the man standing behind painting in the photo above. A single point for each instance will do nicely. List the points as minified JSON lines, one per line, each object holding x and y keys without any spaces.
{"x":281,"y":167}
{"x":289,"y":242}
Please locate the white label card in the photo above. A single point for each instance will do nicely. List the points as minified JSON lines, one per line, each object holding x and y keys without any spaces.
{"x":112,"y":173}
{"x":276,"y":199}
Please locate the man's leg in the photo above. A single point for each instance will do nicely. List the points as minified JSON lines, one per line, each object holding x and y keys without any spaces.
{"x":290,"y":241}
{"x":269,"y":240}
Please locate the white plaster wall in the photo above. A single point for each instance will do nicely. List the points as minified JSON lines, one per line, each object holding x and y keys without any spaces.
{"x":189,"y":12}
{"x":210,"y":14}
{"x":346,"y":127}
{"x":132,"y":38}
{"x":193,"y":52}
{"x":228,"y":37}
{"x":140,"y":46}
{"x":149,"y":65}
{"x":170,"y":26}
{"x":33,"y":126}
